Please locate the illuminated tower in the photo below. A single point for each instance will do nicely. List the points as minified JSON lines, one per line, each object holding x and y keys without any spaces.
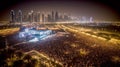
{"x":29,"y":17}
{"x":91,"y":19}
{"x":35,"y":17}
{"x":12,"y":16}
{"x":43,"y":18}
{"x":20,"y":16}
{"x":38,"y":17}
{"x":53,"y":17}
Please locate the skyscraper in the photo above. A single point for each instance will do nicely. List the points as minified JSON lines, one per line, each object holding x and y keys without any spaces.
{"x":48,"y":18}
{"x":66,"y":18}
{"x":25,"y":18}
{"x":29,"y":17}
{"x":38,"y":17}
{"x":53,"y":17}
{"x":91,"y":19}
{"x":43,"y":18}
{"x":32,"y":15}
{"x":35,"y":17}
{"x":20,"y":16}
{"x":56,"y":17}
{"x":12,"y":16}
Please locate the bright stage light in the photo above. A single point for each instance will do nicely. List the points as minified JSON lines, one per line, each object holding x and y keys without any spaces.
{"x":21,"y":34}
{"x":36,"y":34}
{"x":34,"y":40}
{"x":26,"y":30}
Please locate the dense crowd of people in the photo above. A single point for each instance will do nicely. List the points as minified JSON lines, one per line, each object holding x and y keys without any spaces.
{"x":61,"y":50}
{"x":71,"y":50}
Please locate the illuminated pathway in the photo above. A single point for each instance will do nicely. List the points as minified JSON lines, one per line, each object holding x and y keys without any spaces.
{"x":95,"y":33}
{"x":90,"y":37}
{"x":5,"y":32}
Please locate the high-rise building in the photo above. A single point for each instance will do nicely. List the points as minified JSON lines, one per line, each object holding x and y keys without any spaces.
{"x":53,"y":17}
{"x":38,"y":17}
{"x":61,"y":18}
{"x":25,"y":18}
{"x":49,"y":18}
{"x":19,"y":16}
{"x":66,"y":18}
{"x":56,"y":17}
{"x":43,"y":18}
{"x":91,"y":19}
{"x":31,"y":16}
{"x":35,"y":17}
{"x":12,"y":16}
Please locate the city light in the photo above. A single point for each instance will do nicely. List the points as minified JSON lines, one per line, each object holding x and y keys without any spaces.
{"x":34,"y":35}
{"x":34,"y":40}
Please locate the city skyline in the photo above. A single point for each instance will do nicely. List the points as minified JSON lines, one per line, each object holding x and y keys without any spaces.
{"x":20,"y":16}
{"x":33,"y":16}
{"x":98,"y":9}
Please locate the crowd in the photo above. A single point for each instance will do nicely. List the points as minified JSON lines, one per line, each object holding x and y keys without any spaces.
{"x":65,"y":49}
{"x":61,"y":50}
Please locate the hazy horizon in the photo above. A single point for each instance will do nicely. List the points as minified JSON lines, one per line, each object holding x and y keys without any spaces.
{"x":99,"y":11}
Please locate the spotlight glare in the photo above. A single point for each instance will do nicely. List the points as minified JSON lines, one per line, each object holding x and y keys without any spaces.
{"x":36,"y":34}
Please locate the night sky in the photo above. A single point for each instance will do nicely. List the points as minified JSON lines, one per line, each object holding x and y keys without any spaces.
{"x":98,"y":9}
